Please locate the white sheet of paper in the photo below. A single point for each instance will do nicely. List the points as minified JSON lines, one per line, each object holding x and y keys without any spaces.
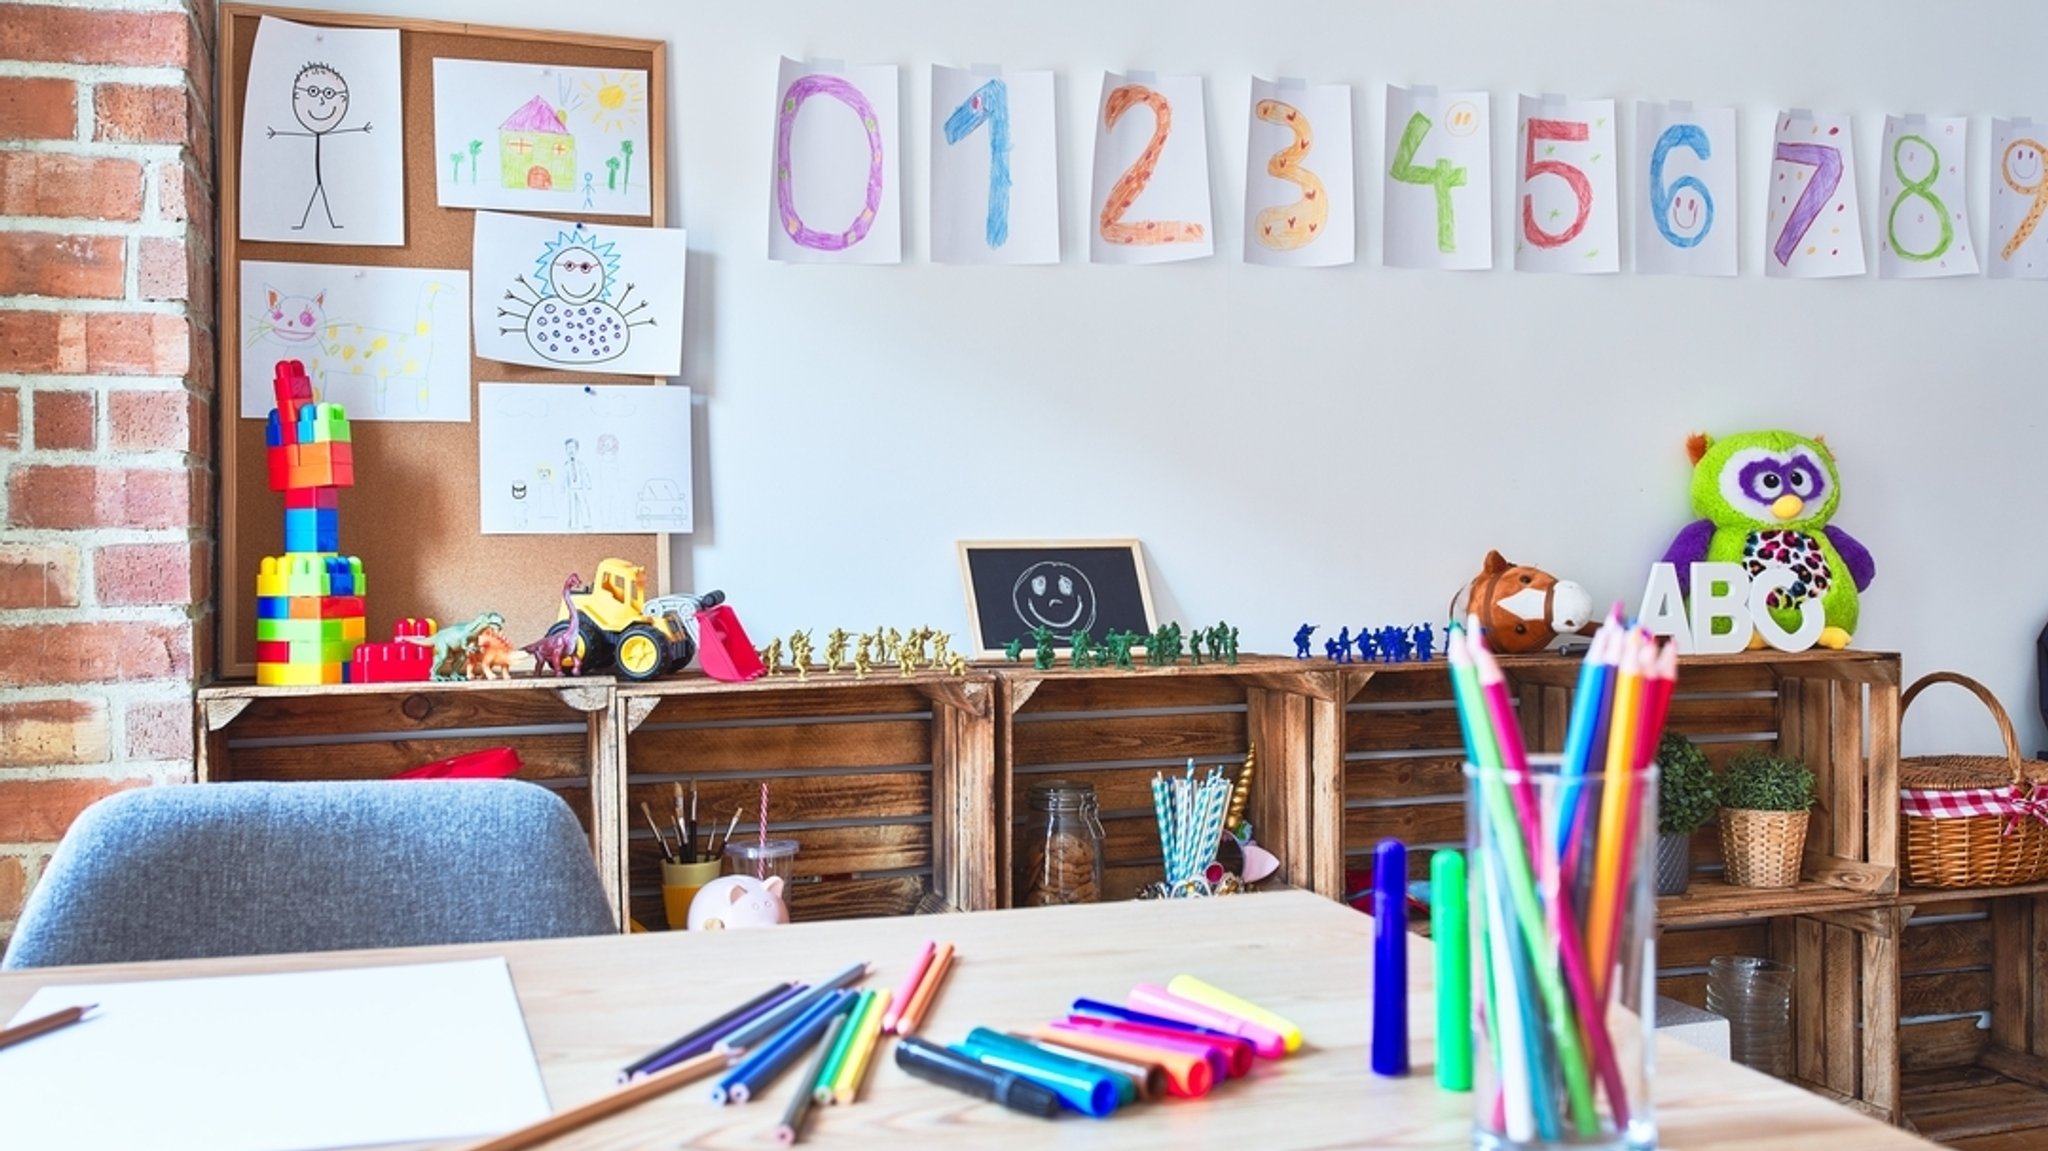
{"x":834,"y":189}
{"x":1924,"y":228}
{"x":1567,"y":213}
{"x":1439,"y":179}
{"x":1152,"y":161}
{"x":2019,"y":193}
{"x":1305,"y":214}
{"x":1814,"y":226}
{"x":540,"y":138}
{"x":280,"y":1062}
{"x":570,"y":458}
{"x":1687,"y":194}
{"x":385,"y":343}
{"x":591,"y":298}
{"x":323,"y":136}
{"x":995,"y":168}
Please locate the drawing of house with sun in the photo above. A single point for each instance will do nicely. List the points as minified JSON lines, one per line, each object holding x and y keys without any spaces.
{"x":536,"y":149}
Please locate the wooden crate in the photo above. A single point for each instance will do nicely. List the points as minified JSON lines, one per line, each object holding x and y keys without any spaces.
{"x":886,"y":783}
{"x":561,"y":728}
{"x":1974,"y":1034}
{"x":1117,"y":728}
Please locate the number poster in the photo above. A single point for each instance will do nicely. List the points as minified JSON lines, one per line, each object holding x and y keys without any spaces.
{"x":1566,"y":215}
{"x":1439,"y":187}
{"x":1814,"y":227}
{"x":1150,"y":198}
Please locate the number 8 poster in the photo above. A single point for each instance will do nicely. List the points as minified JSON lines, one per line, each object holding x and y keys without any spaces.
{"x":1814,"y":227}
{"x":1922,"y":232}
{"x":1566,"y":215}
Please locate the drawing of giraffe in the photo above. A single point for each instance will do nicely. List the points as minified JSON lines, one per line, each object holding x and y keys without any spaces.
{"x":334,"y":349}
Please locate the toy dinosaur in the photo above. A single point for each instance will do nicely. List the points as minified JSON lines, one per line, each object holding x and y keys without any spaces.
{"x":555,"y":652}
{"x":451,"y":646}
{"x":490,"y":655}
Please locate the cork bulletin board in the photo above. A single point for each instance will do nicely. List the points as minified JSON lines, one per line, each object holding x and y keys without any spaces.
{"x":413,"y":514}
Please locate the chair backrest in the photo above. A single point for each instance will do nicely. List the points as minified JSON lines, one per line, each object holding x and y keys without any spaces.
{"x":186,"y":871}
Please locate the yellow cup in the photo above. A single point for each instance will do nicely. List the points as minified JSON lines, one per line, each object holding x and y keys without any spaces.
{"x":679,"y":884}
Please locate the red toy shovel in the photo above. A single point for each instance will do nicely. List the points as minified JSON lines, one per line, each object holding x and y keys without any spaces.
{"x":723,"y":650}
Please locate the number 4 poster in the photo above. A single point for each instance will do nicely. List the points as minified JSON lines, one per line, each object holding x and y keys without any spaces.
{"x":1439,"y":187}
{"x":1814,"y":227}
{"x":834,"y":196}
{"x":1298,"y":203}
{"x":1566,"y":215}
{"x":1925,"y":233}
{"x":1686,"y":190}
{"x":995,"y":168}
{"x":1150,"y":195}
{"x":2019,"y":192}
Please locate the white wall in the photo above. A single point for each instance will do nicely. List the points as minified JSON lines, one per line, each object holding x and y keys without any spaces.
{"x":1343,"y":446}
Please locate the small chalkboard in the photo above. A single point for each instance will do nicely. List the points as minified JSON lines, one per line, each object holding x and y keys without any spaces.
{"x":1067,"y":586}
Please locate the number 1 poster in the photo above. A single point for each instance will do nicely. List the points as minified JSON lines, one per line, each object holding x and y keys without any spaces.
{"x":1814,"y":228}
{"x":1299,"y":206}
{"x":1686,"y":190}
{"x":995,"y":168}
{"x":2019,"y":193}
{"x":1439,"y":186}
{"x":1566,"y":215}
{"x":1149,"y":200}
{"x":1925,"y":233}
{"x":833,"y":193}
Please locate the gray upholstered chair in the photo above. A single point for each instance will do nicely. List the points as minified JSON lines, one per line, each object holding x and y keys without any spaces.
{"x":257,"y":868}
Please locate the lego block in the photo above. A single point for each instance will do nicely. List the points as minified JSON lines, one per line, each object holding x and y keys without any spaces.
{"x":323,"y":423}
{"x":273,"y":433}
{"x":311,"y":631}
{"x":273,"y":607}
{"x":400,"y":661}
{"x":413,"y":626}
{"x":280,"y":462}
{"x":311,"y":530}
{"x":325,"y":607}
{"x":293,"y":674}
{"x":321,"y":497}
{"x":273,"y":651}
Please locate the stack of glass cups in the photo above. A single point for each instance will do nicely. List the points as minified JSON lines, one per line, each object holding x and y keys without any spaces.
{"x":1755,"y":997}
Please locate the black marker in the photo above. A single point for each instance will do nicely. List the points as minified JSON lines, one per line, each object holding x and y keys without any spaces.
{"x":946,"y":1068}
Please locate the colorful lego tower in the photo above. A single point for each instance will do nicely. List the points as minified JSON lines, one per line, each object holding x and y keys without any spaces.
{"x":309,"y":601}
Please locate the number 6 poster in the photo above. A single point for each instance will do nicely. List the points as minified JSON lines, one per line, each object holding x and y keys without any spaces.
{"x":1814,"y":228}
{"x":1439,"y":188}
{"x":1566,"y":217}
{"x":1149,"y":201}
{"x":1686,"y":192}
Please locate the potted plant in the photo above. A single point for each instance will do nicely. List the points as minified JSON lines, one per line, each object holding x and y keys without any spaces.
{"x":1685,"y":803}
{"x":1765,"y":800}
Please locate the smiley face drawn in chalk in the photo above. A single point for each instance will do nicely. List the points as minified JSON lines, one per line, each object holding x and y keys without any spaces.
{"x":1054,"y":595}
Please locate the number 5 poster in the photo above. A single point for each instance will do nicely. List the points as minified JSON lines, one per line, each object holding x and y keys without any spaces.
{"x":1298,"y":203}
{"x":2019,"y":192}
{"x":1566,"y":215}
{"x":833,"y":194}
{"x":1814,"y":227}
{"x":1439,"y":186}
{"x":1150,"y":196}
{"x":1686,"y":190}
{"x":1923,"y":233}
{"x":995,"y":168}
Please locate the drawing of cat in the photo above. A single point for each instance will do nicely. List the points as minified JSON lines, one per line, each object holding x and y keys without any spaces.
{"x":333,"y":349}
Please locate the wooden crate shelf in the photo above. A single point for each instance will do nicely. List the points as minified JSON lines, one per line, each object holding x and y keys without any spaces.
{"x":1974,"y":1040}
{"x":1117,"y":728}
{"x":886,"y":783}
{"x":561,"y":728}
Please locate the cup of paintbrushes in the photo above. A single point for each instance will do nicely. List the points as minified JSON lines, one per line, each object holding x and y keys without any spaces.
{"x":679,"y":884}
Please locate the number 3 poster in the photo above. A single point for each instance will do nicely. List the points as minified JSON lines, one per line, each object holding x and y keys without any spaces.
{"x":1298,"y":203}
{"x":1439,"y":188}
{"x":1814,"y":228}
{"x":1566,"y":217}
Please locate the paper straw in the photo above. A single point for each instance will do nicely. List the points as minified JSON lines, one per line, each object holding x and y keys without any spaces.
{"x":910,"y":982}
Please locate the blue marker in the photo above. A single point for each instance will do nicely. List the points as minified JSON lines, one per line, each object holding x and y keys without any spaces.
{"x":1389,"y":959}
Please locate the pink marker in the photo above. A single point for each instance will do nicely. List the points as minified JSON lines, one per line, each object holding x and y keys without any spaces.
{"x":1157,"y":1000}
{"x":1235,"y":1049}
{"x":1193,"y":1046}
{"x":901,"y":999}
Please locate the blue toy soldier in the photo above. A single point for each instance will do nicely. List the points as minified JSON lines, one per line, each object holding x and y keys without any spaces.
{"x":1341,"y":646}
{"x":1330,"y":649}
{"x":1425,"y":642}
{"x":1391,"y":640}
{"x":1301,"y":640}
{"x":1367,"y":649}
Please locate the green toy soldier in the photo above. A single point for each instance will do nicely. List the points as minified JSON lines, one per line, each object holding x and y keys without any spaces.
{"x":1014,"y":650}
{"x":1195,"y":648}
{"x":1082,"y":653}
{"x":1042,"y":653}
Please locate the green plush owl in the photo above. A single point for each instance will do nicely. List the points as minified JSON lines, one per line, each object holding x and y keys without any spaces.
{"x":1765,"y":499}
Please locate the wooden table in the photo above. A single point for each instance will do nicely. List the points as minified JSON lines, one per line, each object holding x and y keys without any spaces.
{"x":595,"y":1004}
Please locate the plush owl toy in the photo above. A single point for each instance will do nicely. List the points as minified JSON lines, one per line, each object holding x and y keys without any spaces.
{"x":1766,"y":499}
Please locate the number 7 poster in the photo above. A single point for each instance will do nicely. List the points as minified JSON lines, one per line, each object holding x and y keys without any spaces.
{"x":1566,"y":215}
{"x":1813,"y":228}
{"x":1439,"y":180}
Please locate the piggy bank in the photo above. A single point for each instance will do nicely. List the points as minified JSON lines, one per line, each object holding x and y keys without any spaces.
{"x":735,"y":901}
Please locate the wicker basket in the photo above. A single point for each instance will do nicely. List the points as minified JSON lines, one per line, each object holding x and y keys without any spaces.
{"x":1762,"y":848}
{"x":2000,"y":840}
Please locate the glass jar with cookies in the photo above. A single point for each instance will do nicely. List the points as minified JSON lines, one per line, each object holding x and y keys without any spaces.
{"x":1063,"y":845}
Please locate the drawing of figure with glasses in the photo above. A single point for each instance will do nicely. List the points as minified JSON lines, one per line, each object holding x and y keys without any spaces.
{"x":320,"y":101}
{"x":566,"y":310}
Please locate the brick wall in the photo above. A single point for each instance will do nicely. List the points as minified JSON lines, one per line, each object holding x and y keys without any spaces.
{"x":106,"y":394}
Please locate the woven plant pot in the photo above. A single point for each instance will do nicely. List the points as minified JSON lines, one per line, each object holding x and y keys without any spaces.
{"x":1984,"y":850}
{"x":1674,"y":864}
{"x":1762,"y":848}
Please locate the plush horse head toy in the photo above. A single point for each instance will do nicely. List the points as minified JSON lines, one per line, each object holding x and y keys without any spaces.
{"x":1524,"y":609}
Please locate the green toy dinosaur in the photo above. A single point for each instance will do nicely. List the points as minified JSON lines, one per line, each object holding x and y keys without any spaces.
{"x":451,"y":646}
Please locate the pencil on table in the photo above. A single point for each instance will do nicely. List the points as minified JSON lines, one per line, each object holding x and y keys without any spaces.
{"x":792,"y":1128}
{"x":659,"y":1083}
{"x":928,"y":990}
{"x":855,"y":1069}
{"x":43,"y":1025}
{"x":904,"y":993}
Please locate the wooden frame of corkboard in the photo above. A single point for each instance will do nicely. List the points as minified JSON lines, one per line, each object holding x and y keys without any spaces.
{"x":413,"y":514}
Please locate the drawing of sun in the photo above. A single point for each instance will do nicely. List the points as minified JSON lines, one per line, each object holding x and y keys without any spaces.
{"x":617,"y":101}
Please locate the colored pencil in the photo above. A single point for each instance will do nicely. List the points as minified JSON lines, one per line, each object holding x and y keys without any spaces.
{"x":610,"y":1103}
{"x":847,"y":1087}
{"x":708,"y":1034}
{"x":1615,"y":797}
{"x":927,"y":990}
{"x":43,"y":1025}
{"x":792,"y":1127}
{"x":1578,"y":734}
{"x":836,"y":1054}
{"x":762,"y":1028}
{"x":910,"y":982}
{"x":763,"y":1064}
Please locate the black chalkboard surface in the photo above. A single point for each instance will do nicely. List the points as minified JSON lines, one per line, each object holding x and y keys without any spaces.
{"x":1068,"y":586}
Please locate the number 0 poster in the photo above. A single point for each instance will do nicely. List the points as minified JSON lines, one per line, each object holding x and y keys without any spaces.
{"x":833,"y":194}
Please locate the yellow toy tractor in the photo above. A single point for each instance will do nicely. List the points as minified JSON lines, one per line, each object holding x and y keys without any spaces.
{"x":616,"y":625}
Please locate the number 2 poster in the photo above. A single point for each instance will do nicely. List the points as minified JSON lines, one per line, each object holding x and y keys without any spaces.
{"x":1149,"y":202}
{"x":1566,"y":215}
{"x":1439,"y":186}
{"x":1814,"y":227}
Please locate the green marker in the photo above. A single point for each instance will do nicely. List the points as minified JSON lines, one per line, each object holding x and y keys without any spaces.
{"x":828,"y":1072}
{"x":1452,"y":933}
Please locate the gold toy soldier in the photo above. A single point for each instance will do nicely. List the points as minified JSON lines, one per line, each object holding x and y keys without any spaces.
{"x":835,"y":649}
{"x":800,"y":653}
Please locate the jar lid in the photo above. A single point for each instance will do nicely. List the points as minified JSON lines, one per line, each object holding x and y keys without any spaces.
{"x":1062,"y":794}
